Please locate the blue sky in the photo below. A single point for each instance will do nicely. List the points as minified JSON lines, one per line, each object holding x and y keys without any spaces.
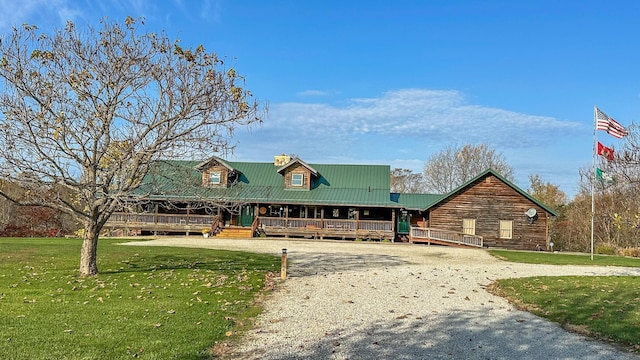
{"x":392,"y":82}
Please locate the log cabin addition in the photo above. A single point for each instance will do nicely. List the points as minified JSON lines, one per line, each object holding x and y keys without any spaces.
{"x":493,"y":208}
{"x":293,"y":199}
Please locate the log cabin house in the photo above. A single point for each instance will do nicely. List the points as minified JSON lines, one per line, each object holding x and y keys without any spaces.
{"x":290,"y":198}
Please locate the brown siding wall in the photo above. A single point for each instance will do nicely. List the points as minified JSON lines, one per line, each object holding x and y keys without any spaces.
{"x":298,"y":169}
{"x":489,"y":200}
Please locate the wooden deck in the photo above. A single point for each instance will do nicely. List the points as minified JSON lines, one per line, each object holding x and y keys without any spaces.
{"x":444,"y":237}
{"x":158,"y":223}
{"x":269,"y":226}
{"x":323,"y":228}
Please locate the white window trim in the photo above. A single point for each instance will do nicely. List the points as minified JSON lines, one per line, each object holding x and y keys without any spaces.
{"x":472,"y":228}
{"x":212,"y":178}
{"x":294,"y":182}
{"x":506,"y":226}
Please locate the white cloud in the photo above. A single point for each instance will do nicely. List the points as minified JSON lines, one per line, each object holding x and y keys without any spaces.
{"x":313,"y":93}
{"x":404,"y":127}
{"x":417,"y":113}
{"x":211,"y":9}
{"x":38,"y":12}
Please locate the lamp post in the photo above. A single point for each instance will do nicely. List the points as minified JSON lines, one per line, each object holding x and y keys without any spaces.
{"x":283,"y":266}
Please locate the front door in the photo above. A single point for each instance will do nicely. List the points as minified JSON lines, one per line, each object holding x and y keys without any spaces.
{"x":403,"y":222}
{"x":246,"y":215}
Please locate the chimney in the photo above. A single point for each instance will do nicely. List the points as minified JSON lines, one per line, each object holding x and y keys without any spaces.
{"x":280,"y":160}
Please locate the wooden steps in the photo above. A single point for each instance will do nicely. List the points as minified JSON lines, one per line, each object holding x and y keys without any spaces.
{"x":235,"y":233}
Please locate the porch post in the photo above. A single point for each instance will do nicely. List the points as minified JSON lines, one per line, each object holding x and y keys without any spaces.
{"x":188,"y":211}
{"x":155,"y":221}
{"x":394,"y":224}
{"x":286,"y":221}
{"x":322,"y":226}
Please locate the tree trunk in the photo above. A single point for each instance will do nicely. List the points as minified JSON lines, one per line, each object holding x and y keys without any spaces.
{"x":88,"y":255}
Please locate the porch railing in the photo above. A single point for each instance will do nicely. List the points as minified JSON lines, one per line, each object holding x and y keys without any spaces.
{"x":447,"y":236}
{"x":166,"y":219}
{"x":333,"y":224}
{"x":338,"y":225}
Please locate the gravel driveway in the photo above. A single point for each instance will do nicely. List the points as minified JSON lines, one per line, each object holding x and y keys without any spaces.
{"x":351,"y":300}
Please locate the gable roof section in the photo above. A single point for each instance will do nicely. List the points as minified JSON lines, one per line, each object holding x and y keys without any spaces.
{"x":297,"y":161}
{"x":486,"y":173}
{"x":208,"y":163}
{"x":345,"y":185}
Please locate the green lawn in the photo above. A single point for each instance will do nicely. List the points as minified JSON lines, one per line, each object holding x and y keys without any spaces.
{"x":147,"y":302}
{"x":606,"y":307}
{"x":541,"y":257}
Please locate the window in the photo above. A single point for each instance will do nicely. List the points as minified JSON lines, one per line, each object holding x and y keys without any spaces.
{"x":214,"y":178}
{"x":506,"y":229}
{"x":469,"y":226}
{"x":296,"y":179}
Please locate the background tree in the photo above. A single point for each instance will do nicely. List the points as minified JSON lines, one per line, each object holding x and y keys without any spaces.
{"x":617,"y":211}
{"x":87,"y":113}
{"x":626,"y":166}
{"x":551,"y":195}
{"x":406,"y":181}
{"x":453,"y":166}
{"x":546,"y":192}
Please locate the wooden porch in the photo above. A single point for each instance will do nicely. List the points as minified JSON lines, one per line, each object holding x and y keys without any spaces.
{"x":444,"y":237}
{"x":133,"y":223}
{"x":325,"y":228}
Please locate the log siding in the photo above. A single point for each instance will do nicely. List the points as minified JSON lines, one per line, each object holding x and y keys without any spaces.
{"x":224,"y":176}
{"x":297,"y":169}
{"x":489,"y":200}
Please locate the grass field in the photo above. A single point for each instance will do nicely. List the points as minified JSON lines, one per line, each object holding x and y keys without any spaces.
{"x":150,"y":303}
{"x":542,"y":257}
{"x":605,"y":307}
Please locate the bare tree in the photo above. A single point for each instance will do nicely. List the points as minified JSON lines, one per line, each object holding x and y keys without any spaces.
{"x":406,"y":181}
{"x":88,"y":112}
{"x":453,"y":166}
{"x":626,"y":166}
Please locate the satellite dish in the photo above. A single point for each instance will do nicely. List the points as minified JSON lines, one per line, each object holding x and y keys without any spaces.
{"x":531,"y":212}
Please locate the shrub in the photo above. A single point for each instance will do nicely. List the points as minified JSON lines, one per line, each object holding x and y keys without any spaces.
{"x":606,"y":249}
{"x":629,"y":251}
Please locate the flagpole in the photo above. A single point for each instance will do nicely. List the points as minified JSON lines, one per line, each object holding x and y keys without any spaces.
{"x":593,"y":175}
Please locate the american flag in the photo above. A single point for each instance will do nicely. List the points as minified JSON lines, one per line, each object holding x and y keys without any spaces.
{"x":612,"y":127}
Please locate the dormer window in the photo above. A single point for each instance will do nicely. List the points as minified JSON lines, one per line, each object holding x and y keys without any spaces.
{"x":298,"y":175}
{"x":214,"y":178}
{"x":297,"y":180}
{"x":217,"y":173}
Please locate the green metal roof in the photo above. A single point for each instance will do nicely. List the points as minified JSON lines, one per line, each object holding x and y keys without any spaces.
{"x":416,"y":201}
{"x":349,"y":185}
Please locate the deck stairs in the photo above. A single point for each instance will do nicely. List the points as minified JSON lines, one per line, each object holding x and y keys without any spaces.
{"x":234,"y":232}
